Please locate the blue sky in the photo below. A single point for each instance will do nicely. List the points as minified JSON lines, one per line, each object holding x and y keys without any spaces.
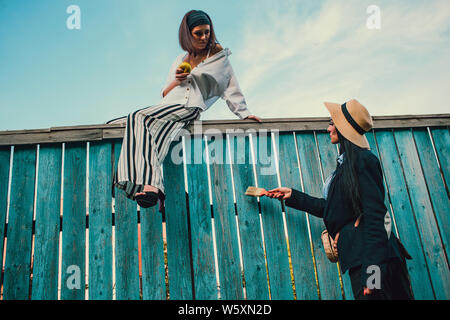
{"x":289,"y":57}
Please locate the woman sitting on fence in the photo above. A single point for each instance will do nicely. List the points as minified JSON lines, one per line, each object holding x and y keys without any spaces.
{"x":149,"y":131}
{"x":354,"y":212}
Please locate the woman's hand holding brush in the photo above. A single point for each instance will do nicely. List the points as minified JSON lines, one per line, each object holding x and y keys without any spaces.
{"x":282,"y":193}
{"x":278,"y":193}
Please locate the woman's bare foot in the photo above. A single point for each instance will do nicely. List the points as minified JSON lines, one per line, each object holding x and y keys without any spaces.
{"x":148,"y":188}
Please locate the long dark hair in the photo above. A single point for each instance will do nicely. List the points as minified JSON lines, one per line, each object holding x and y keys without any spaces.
{"x":185,"y":36}
{"x":346,"y":179}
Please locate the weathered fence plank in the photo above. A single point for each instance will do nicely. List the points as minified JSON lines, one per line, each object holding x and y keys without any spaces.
{"x":441,"y":138}
{"x":423,"y":212}
{"x":225,"y":221}
{"x":112,"y":131}
{"x":100,"y":221}
{"x":18,"y":247}
{"x":436,"y":187}
{"x":5,"y":154}
{"x":249,"y":221}
{"x":201,"y":229}
{"x":273,"y":227}
{"x":48,"y":211}
{"x":152,"y":254}
{"x":297,"y":224}
{"x":178,"y":254}
{"x":152,"y":246}
{"x":74,"y":223}
{"x":126,"y":243}
{"x":404,"y":217}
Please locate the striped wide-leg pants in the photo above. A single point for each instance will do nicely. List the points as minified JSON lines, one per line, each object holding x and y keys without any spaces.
{"x":146,"y":141}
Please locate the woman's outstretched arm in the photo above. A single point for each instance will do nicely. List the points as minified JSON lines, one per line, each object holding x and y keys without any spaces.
{"x":299,"y":200}
{"x":235,"y":99}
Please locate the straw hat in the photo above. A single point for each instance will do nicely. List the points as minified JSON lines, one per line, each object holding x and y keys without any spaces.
{"x":352,"y":120}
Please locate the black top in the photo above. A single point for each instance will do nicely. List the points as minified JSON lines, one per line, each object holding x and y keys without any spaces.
{"x":368,"y":244}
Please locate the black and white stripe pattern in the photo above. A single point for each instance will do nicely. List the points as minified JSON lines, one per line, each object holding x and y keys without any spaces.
{"x":148,"y":134}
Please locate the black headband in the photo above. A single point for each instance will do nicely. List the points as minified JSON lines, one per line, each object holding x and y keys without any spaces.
{"x":352,"y":121}
{"x":197,"y":18}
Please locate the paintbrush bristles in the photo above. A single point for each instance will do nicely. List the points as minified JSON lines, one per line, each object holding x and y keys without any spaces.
{"x":255,"y":192}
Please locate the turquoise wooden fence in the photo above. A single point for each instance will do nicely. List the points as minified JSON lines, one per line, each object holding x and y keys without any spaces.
{"x":64,"y":236}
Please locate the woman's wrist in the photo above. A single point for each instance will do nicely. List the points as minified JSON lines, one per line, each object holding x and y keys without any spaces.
{"x":171,"y":85}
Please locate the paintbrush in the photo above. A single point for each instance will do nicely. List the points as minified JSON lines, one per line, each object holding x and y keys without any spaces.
{"x":256,"y":192}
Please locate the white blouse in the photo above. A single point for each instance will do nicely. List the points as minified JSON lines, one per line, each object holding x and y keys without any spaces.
{"x":211,"y":79}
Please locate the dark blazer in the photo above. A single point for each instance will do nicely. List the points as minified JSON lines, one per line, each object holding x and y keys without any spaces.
{"x":368,"y":244}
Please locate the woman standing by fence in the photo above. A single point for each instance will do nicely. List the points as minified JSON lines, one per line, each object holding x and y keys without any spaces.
{"x":354,"y":212}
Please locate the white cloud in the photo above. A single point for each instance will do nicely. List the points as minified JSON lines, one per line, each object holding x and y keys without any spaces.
{"x":293,"y":58}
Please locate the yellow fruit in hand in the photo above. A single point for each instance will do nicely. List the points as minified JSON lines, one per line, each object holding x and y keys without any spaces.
{"x":186,"y":67}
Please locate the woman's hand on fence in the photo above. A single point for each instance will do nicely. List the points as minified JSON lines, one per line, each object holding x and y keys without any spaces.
{"x":282,"y":193}
{"x":252,"y":117}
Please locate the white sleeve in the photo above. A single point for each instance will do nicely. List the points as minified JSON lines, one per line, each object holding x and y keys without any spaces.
{"x":171,"y":75}
{"x":234,"y":98}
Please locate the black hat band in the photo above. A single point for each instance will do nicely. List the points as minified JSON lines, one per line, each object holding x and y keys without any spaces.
{"x":352,"y":121}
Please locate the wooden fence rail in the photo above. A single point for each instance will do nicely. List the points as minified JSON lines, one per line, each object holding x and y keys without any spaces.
{"x":64,"y":235}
